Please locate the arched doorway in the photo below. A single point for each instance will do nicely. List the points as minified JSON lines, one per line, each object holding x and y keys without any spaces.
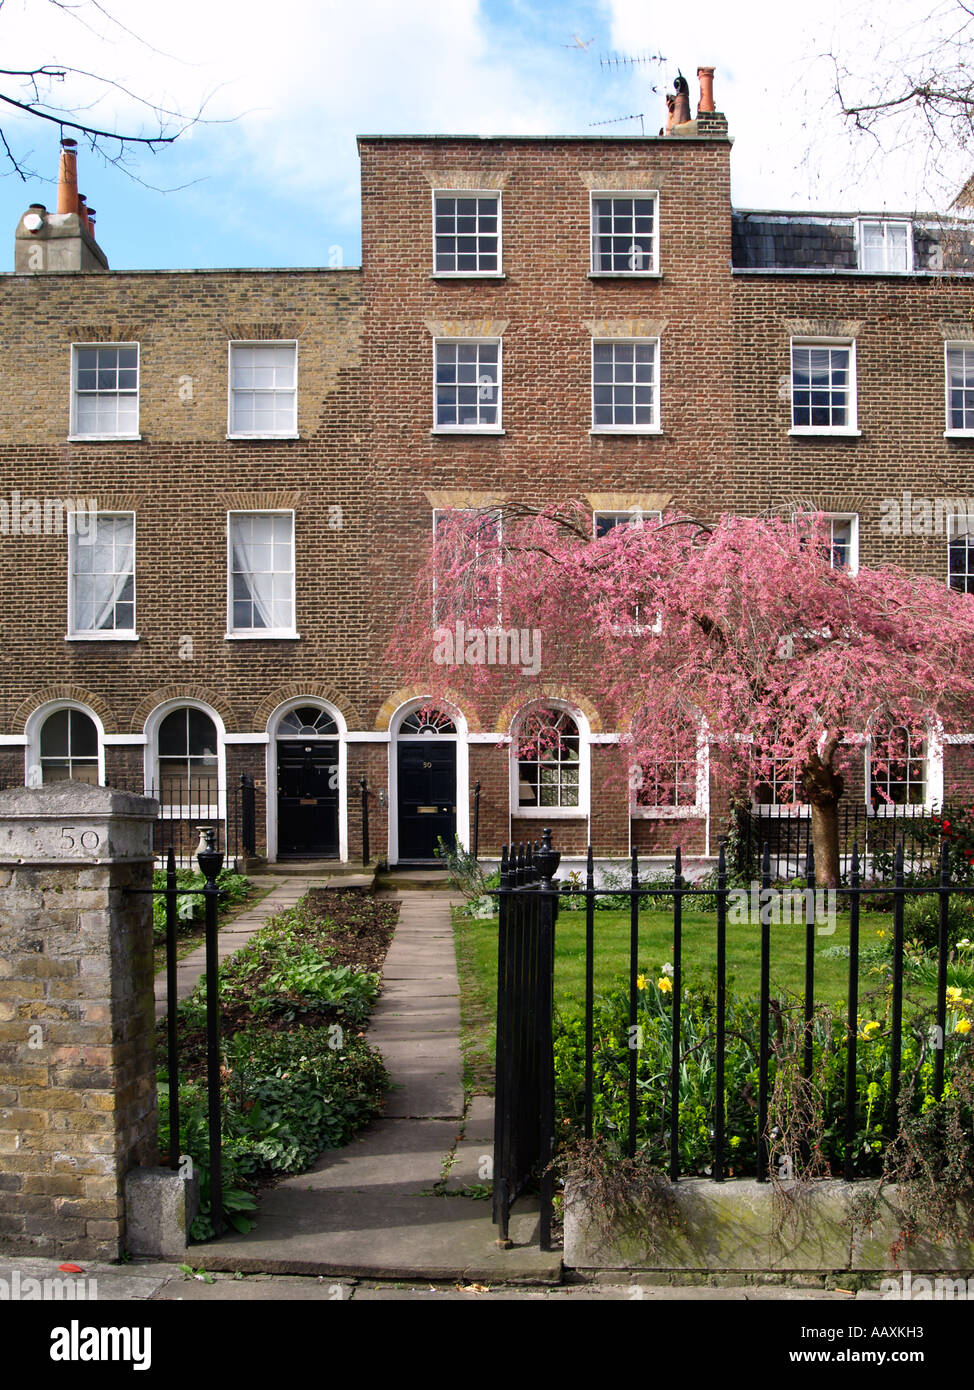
{"x":426,"y":783}
{"x":309,"y":775}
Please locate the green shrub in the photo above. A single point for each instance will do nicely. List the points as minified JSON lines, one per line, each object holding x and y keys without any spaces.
{"x":921,"y":921}
{"x":189,"y":907}
{"x":697,"y":1073}
{"x":287,"y":1096}
{"x":306,"y":980}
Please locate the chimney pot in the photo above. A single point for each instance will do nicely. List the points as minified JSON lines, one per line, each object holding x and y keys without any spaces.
{"x":67,"y":183}
{"x":706,"y":76}
{"x":681,"y":105}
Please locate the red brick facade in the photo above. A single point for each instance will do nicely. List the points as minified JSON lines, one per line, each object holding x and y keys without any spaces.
{"x":367,"y":467}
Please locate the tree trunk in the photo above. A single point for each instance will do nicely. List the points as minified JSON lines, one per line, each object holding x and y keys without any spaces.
{"x":821,"y":787}
{"x":825,"y":842}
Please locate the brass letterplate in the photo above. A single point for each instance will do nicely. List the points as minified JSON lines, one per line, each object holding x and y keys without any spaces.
{"x":426,"y":810}
{"x":308,"y":801}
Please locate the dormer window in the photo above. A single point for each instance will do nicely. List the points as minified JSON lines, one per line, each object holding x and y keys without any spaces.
{"x":885,"y":246}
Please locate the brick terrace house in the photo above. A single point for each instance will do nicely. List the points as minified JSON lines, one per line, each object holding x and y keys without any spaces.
{"x":250,"y":464}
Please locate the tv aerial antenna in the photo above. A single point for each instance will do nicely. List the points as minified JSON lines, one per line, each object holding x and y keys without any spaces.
{"x":617,"y":62}
{"x":610,"y":61}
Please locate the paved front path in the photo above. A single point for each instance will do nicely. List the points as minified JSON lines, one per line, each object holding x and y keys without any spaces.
{"x":369,"y":1210}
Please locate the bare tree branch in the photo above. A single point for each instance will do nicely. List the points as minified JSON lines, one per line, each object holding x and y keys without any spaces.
{"x":27,"y":91}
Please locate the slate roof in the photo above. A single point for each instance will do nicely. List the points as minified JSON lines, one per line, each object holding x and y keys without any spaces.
{"x":824,"y":242}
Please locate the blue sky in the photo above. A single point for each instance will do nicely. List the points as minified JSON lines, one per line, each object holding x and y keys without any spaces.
{"x":272,"y":180}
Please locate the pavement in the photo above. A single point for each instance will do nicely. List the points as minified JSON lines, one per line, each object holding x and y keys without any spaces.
{"x":150,"y":1281}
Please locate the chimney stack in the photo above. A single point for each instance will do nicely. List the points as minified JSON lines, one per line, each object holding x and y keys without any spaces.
{"x":62,"y":241}
{"x":67,"y":181}
{"x":706,"y":76}
{"x":708,"y":122}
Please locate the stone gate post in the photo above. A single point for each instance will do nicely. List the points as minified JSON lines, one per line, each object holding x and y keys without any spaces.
{"x":77,"y":1074}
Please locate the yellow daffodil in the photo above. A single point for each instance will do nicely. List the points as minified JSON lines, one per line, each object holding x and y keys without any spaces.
{"x":664,"y":985}
{"x":640,"y":981}
{"x":870,"y":1029}
{"x":963,"y":1026}
{"x":954,"y":994}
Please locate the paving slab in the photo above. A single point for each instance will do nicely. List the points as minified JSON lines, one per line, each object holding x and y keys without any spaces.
{"x":254,"y":1288}
{"x":473,"y":1158}
{"x":383,"y":1234}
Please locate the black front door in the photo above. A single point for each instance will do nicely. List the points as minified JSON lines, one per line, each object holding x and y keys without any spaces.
{"x":427,"y":796}
{"x":307,"y":799}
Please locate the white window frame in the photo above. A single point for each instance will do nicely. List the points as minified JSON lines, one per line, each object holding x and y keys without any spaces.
{"x":645,"y":271}
{"x":498,"y":426}
{"x":777,"y":809}
{"x":33,"y":769}
{"x":75,"y":434}
{"x":933,"y":776}
{"x":700,"y":807}
{"x":655,"y":427}
{"x":289,"y":433}
{"x":631,"y":516}
{"x":853,"y":517}
{"x":74,"y":540}
{"x":497,"y":516}
{"x":954,"y":534}
{"x":247,"y":634}
{"x":956,"y":345}
{"x":852,"y":414}
{"x":884,"y":223}
{"x":625,"y":516}
{"x":519,"y":812}
{"x":497,"y":274}
{"x":194,"y":810}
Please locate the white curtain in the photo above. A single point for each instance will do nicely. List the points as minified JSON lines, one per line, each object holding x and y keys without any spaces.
{"x":106,"y":564}
{"x":251,"y":540}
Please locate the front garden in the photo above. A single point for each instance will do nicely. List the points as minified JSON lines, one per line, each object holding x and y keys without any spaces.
{"x":923,"y":1136}
{"x":297,"y":1074}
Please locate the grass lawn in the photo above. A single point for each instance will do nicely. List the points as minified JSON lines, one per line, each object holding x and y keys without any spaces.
{"x":477,"y":958}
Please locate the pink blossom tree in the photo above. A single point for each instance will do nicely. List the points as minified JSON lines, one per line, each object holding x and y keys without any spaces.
{"x":741,"y":629}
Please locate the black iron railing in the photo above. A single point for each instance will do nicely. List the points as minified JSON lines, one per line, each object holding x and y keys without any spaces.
{"x":525,"y":1093}
{"x":187,"y":809}
{"x":364,"y":785}
{"x":524,"y":1109}
{"x":875,"y":830}
{"x":210,"y":862}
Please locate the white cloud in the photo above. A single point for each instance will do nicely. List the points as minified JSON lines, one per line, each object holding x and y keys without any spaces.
{"x":775,"y":82}
{"x":303,"y":78}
